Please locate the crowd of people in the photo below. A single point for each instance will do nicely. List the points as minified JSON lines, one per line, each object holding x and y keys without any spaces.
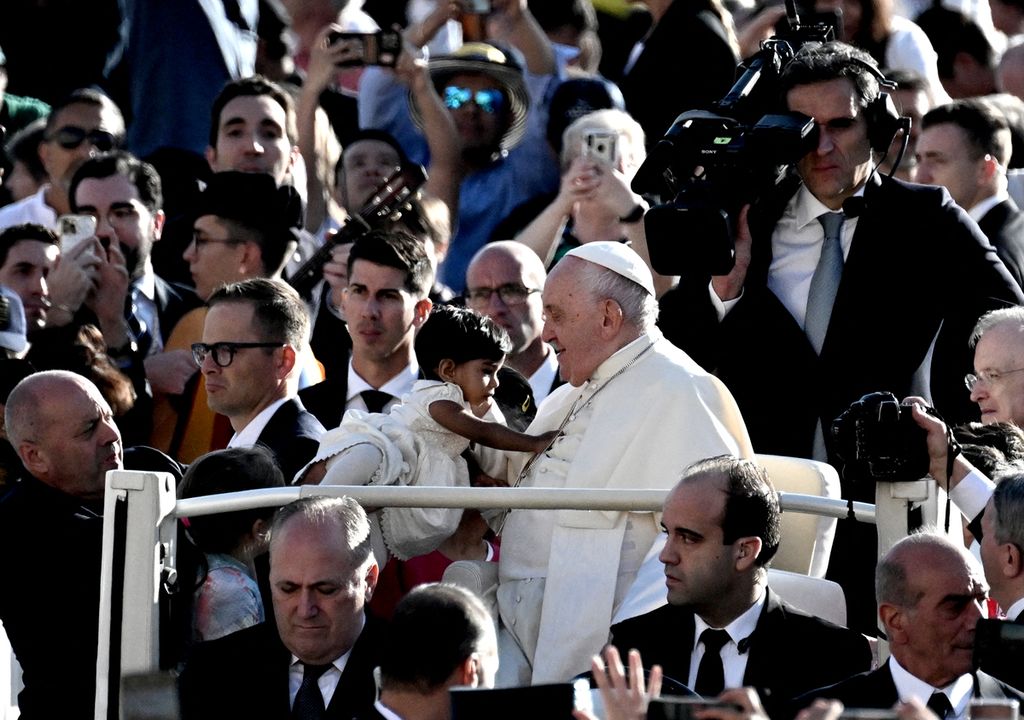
{"x":265,"y":243}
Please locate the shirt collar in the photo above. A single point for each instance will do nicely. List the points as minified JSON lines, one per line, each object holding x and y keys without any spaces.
{"x":809,"y":208}
{"x":247,"y":436}
{"x":397,"y":386}
{"x":146,"y":284}
{"x":907,"y":686}
{"x":740,"y":628}
{"x":1015,"y":609}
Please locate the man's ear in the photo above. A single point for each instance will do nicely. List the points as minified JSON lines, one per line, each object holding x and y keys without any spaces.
{"x":372,"y":574}
{"x":34,"y":458}
{"x":288,"y":358}
{"x":467,"y":674}
{"x":211,"y":156}
{"x":159,"y":218}
{"x":612,"y":318}
{"x":747,"y":550}
{"x":252,"y":259}
{"x":422,"y":312}
{"x":1011,"y":563}
{"x":894,"y":621}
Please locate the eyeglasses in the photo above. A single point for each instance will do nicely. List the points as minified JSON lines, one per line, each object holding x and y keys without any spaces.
{"x":223,"y":353}
{"x":490,"y":101}
{"x":987,"y":376}
{"x":510,"y":294}
{"x":70,"y":137}
{"x":199,"y":241}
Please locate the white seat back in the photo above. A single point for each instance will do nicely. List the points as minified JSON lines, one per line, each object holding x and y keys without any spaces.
{"x":806,"y":539}
{"x":814,"y":595}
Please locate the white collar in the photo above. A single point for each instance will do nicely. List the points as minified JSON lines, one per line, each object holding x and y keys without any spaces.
{"x":740,"y":628}
{"x":247,"y":436}
{"x":397,"y":386}
{"x":908,"y":686}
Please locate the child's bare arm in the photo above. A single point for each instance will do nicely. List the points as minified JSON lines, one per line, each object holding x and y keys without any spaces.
{"x":454,"y":417}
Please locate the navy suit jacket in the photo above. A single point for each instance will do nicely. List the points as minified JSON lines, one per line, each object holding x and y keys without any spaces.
{"x":790,"y":651}
{"x":293,"y":434}
{"x":245,"y":675}
{"x":876,"y":689}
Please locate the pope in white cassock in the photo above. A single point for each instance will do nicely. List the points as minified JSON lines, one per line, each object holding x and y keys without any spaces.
{"x":634,"y":413}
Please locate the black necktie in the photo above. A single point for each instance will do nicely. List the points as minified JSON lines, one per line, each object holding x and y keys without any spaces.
{"x":711,"y":674}
{"x":376,"y":400}
{"x":309,"y":701}
{"x":939,"y":704}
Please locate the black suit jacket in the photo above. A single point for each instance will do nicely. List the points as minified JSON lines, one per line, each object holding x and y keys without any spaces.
{"x":293,"y":434}
{"x":245,"y":675}
{"x":790,"y":651}
{"x":876,"y":689}
{"x":1003,"y":225}
{"x":326,"y":399}
{"x":172,"y":301}
{"x":917,"y":263}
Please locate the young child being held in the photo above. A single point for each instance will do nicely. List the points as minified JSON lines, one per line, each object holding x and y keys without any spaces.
{"x":420,"y":441}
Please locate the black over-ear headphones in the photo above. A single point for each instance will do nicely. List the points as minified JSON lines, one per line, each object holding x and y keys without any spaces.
{"x":883,"y":118}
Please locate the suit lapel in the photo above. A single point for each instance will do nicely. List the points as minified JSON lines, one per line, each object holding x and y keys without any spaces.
{"x":762,"y":666}
{"x":280,"y":422}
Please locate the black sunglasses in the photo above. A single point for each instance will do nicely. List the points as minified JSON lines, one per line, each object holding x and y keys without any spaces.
{"x":70,"y":137}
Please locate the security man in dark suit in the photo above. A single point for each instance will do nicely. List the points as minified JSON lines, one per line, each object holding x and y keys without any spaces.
{"x":255,"y":341}
{"x":832,"y":262}
{"x":931,"y":593}
{"x":723,"y":626}
{"x":319,"y":661}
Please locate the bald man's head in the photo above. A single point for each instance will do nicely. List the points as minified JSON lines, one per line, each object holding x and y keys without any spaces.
{"x":64,"y":432}
{"x":504,"y":281}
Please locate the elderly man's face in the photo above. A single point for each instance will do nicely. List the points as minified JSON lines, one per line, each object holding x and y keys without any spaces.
{"x":317,"y":591}
{"x":999,"y":392}
{"x":573,"y":321}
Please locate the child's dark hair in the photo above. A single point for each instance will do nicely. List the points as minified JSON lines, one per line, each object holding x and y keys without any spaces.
{"x":460,"y":335}
{"x":223,"y":471}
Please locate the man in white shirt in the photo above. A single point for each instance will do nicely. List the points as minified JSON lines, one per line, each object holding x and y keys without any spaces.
{"x":254,"y":335}
{"x":504,"y":282}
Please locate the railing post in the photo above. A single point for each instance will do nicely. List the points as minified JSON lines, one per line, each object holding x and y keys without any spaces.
{"x":138,"y":542}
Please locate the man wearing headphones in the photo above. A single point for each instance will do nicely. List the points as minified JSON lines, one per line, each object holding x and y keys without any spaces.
{"x":915,"y":271}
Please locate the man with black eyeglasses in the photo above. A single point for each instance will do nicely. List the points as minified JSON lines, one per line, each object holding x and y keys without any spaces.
{"x":504,"y":282}
{"x":255,"y":336}
{"x":79,"y":126}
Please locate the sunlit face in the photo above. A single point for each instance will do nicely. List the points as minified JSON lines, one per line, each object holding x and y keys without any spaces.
{"x":252,"y":137}
{"x":252,"y":380}
{"x":77,"y":441}
{"x":215,"y":257}
{"x":479,"y":130}
{"x":478,"y":380}
{"x":317,"y":591}
{"x":936,"y":640}
{"x":573,"y":320}
{"x":121,"y":216}
{"x":523,"y":321}
{"x":364,"y":165}
{"x":382,"y":314}
{"x":61,"y":162}
{"x":946,"y":157}
{"x":1000,"y":398}
{"x":699,"y":567}
{"x":841,"y":163}
{"x":25,"y":271}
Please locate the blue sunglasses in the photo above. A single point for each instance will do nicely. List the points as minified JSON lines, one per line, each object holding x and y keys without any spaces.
{"x":490,"y":101}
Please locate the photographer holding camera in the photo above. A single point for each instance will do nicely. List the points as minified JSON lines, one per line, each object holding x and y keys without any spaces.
{"x":914,"y":269}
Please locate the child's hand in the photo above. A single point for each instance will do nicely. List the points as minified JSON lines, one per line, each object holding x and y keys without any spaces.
{"x":544,"y":440}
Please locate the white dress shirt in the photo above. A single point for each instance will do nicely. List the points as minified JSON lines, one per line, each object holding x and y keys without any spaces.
{"x":397,"y":386}
{"x":959,"y":691}
{"x":733,"y":661}
{"x":247,"y":436}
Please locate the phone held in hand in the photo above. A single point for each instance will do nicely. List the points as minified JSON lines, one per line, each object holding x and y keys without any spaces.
{"x":74,"y":230}
{"x":376,"y":48}
{"x":602,"y":146}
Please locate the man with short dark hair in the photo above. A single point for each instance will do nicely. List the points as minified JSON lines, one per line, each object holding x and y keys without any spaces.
{"x":318,"y":662}
{"x":722,"y":520}
{"x":254,"y":338}
{"x":51,"y":524}
{"x":965,"y":146}
{"x":28,"y":254}
{"x":389,"y":278}
{"x":441,"y":636}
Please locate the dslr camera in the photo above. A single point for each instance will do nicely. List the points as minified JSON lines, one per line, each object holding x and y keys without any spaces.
{"x":878,"y":440}
{"x":713,"y":161}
